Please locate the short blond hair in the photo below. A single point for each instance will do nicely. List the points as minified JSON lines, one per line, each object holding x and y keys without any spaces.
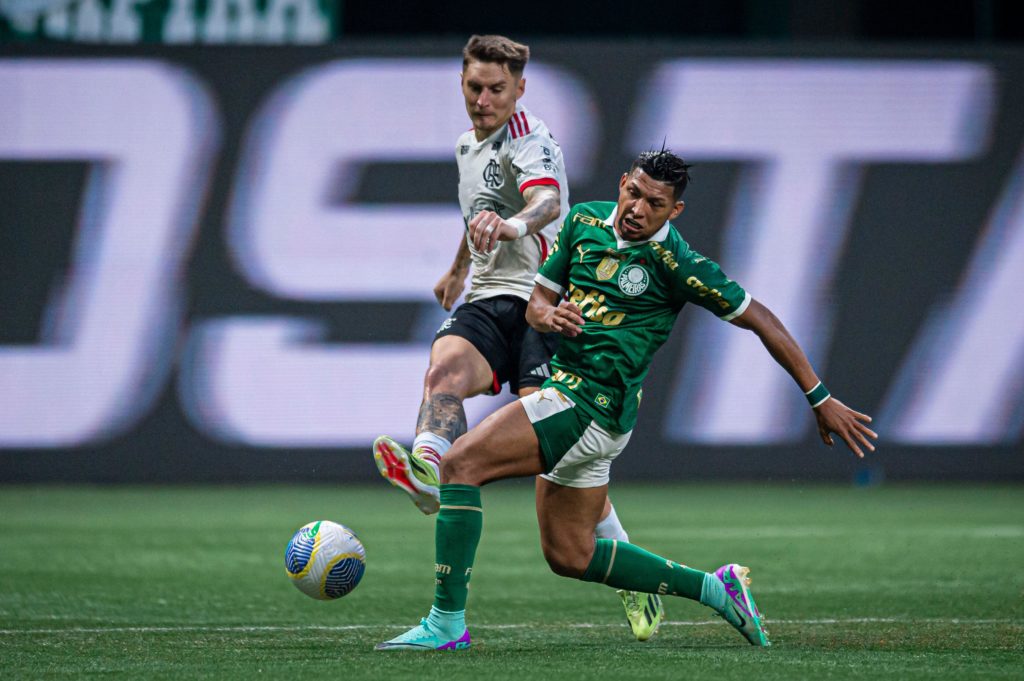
{"x":496,"y":49}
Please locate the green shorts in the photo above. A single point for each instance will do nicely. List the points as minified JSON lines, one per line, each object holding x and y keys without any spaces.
{"x":577,"y":451}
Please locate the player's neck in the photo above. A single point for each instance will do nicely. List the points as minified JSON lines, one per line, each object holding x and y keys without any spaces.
{"x":482,"y":134}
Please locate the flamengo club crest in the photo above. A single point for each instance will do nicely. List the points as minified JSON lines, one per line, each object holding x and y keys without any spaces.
{"x":492,"y":174}
{"x":634,"y":280}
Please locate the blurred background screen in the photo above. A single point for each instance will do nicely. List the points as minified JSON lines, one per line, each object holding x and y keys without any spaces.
{"x":220,"y":223}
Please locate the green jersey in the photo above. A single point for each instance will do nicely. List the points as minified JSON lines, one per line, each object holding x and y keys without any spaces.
{"x":630,"y":293}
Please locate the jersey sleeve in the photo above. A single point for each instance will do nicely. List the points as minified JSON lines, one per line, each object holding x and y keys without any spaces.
{"x":554,"y":272}
{"x":702,"y":282}
{"x":535,"y":161}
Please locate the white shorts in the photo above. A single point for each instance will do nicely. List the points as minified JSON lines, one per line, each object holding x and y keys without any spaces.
{"x":577,"y":451}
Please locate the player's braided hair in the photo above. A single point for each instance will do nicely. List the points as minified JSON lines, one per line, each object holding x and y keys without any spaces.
{"x":496,"y":49}
{"x":664,"y":166}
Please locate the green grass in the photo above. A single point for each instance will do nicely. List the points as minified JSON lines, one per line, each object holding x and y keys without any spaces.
{"x":188,"y":583}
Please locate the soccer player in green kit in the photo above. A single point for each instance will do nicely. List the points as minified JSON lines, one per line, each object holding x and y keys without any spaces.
{"x":616,"y":279}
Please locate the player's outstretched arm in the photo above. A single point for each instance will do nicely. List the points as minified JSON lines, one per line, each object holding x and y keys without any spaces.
{"x":832,"y":415}
{"x":450,"y":286}
{"x":547,"y":313}
{"x":542,"y":208}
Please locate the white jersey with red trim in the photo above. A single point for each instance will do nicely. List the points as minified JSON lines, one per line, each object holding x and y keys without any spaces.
{"x":493,"y":174}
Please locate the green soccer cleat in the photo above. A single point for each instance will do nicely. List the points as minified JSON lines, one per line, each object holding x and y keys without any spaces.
{"x":422,"y":637}
{"x":740,"y":610}
{"x":409,"y":473}
{"x":643,"y":611}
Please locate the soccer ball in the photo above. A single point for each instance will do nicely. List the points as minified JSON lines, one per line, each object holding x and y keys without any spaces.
{"x":325,"y":560}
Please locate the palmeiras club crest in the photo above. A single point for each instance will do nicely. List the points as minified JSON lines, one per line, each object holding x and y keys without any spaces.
{"x":634,"y":280}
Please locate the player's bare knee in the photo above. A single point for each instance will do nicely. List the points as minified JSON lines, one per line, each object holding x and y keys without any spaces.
{"x":565,"y":561}
{"x":449,"y":378}
{"x":441,"y":377}
{"x":456,"y":466}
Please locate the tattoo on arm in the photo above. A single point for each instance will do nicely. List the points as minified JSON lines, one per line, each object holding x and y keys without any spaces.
{"x":542,"y":207}
{"x":462,"y":257}
{"x":443,"y":415}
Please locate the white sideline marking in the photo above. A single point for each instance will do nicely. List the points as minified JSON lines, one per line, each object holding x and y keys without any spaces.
{"x":579,"y":625}
{"x":1006,"y":531}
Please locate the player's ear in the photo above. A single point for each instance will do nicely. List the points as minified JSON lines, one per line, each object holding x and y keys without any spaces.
{"x":676,"y":210}
{"x":521,"y":87}
{"x":622,"y":180}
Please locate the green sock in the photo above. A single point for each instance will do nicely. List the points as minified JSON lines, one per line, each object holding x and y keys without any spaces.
{"x":456,"y":535}
{"x":627,"y":566}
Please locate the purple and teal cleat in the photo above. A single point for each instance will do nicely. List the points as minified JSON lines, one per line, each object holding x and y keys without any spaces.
{"x":740,"y":610}
{"x":422,"y":637}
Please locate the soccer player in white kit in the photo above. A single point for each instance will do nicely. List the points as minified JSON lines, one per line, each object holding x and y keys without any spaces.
{"x":514,"y":195}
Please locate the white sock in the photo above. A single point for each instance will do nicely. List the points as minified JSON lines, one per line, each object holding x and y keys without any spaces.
{"x":611,"y":528}
{"x":431,"y":447}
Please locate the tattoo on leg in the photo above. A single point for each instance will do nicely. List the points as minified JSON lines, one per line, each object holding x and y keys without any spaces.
{"x":443,"y":415}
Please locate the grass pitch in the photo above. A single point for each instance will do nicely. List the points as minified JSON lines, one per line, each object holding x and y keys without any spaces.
{"x":188,"y":583}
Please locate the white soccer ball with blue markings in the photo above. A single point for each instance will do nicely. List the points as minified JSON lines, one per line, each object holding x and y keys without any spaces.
{"x":325,"y":560}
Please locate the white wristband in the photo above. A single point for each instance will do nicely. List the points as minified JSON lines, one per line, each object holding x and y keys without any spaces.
{"x":519,"y":225}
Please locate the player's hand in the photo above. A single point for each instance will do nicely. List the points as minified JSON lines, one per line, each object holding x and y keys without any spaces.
{"x":448,"y":289}
{"x":487,"y":228}
{"x":566,"y":319}
{"x":835,"y":417}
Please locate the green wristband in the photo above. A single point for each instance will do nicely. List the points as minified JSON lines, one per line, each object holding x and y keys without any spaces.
{"x":817,"y":395}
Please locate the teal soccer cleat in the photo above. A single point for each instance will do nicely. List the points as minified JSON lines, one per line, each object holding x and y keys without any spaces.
{"x":644,"y":612}
{"x":408,"y":473}
{"x":740,"y":610}
{"x":421,"y":637}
